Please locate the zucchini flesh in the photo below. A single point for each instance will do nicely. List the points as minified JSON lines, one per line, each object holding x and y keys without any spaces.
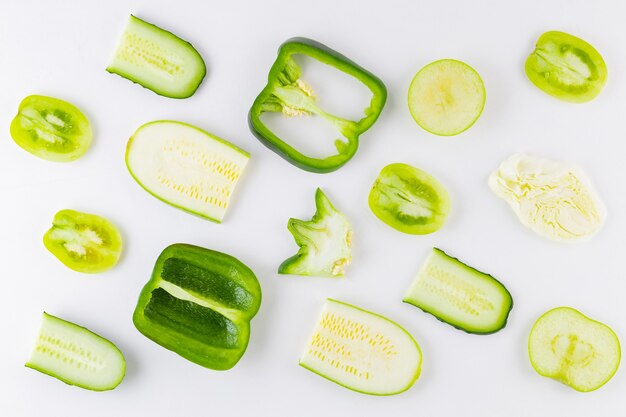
{"x":362,"y":351}
{"x":186,"y":167}
{"x":76,"y":356}
{"x":157,"y":60}
{"x":571,"y":348}
{"x":460,"y":295}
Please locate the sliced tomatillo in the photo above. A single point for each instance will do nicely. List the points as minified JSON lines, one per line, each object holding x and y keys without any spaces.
{"x":84,"y":242}
{"x":409,"y":199}
{"x":51,"y":129}
{"x":287,"y":93}
{"x":566,"y":67}
{"x":552,"y":198}
{"x":446,"y":97}
{"x":571,"y":348}
{"x":325,"y":242}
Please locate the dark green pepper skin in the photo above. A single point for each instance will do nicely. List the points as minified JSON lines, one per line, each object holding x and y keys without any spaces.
{"x":199,"y":303}
{"x":285,"y":72}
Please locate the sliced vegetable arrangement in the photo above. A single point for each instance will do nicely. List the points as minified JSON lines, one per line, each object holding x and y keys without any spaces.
{"x":287,"y":93}
{"x":185,"y":166}
{"x":157,"y":60}
{"x":571,"y":348}
{"x":566,"y":67}
{"x":446,"y":97}
{"x":325,"y":242}
{"x":84,"y":242}
{"x":51,"y":129}
{"x":76,"y":355}
{"x":409,"y":200}
{"x":460,"y":295}
{"x":362,"y":351}
{"x":552,"y":198}
{"x":199,"y":303}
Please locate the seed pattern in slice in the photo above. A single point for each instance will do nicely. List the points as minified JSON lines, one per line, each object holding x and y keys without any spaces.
{"x":571,"y":348}
{"x":186,"y":167}
{"x":362,"y":351}
{"x":460,"y":295}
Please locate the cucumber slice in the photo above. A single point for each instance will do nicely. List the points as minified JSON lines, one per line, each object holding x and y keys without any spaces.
{"x":76,"y":356}
{"x":446,"y":97}
{"x":571,"y":348}
{"x":157,"y":60}
{"x":460,"y":295}
{"x":185,"y":166}
{"x":362,"y":351}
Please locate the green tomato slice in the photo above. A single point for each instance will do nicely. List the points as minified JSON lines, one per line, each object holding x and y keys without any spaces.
{"x":51,"y":129}
{"x":566,"y":67}
{"x":409,"y":199}
{"x":446,"y":97}
{"x":83,"y":242}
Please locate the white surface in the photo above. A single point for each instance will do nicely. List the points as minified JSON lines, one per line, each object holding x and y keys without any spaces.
{"x":62,"y":48}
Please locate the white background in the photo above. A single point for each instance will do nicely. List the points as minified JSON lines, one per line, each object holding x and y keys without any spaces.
{"x":61,"y":49}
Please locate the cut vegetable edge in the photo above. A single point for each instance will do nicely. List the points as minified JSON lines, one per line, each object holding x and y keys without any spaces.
{"x":308,"y":360}
{"x":537,"y":356}
{"x":144,"y":75}
{"x":62,"y":371}
{"x":414,"y":102}
{"x":223,"y":147}
{"x":497,"y":321}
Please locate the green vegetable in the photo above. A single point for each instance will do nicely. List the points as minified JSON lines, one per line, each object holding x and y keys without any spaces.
{"x":446,"y":97}
{"x":199,"y":303}
{"x":325,"y":242}
{"x":362,"y":351}
{"x":76,"y":356}
{"x":409,"y":200}
{"x":287,"y":93}
{"x":84,"y":242}
{"x":571,"y":348}
{"x":157,"y":60}
{"x":566,"y":67}
{"x":185,"y":167}
{"x":460,"y":295}
{"x":51,"y":129}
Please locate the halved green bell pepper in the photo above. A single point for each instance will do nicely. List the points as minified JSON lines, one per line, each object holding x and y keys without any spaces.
{"x":287,"y":93}
{"x":199,"y":303}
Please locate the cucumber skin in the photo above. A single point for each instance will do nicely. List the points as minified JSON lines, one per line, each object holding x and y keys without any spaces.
{"x":419,"y":350}
{"x":134,"y":80}
{"x":72,"y":383}
{"x":458,"y":326}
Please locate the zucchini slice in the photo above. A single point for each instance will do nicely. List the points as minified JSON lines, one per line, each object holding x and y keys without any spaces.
{"x":460,"y":295}
{"x":76,"y":356}
{"x":571,"y":348}
{"x":362,"y":351}
{"x":185,"y":166}
{"x":157,"y":60}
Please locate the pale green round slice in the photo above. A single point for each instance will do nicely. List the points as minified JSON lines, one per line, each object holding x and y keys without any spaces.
{"x":571,"y":348}
{"x":446,"y":97}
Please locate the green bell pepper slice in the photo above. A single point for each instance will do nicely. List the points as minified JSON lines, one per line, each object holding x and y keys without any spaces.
{"x":199,"y":303}
{"x":288,"y":94}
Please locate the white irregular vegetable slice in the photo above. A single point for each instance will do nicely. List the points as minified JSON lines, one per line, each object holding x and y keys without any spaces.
{"x":362,"y":351}
{"x":554,"y":199}
{"x":185,"y":166}
{"x":571,"y":348}
{"x":76,"y":356}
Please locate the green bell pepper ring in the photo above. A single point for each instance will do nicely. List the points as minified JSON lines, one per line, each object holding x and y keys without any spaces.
{"x":287,"y":93}
{"x":199,"y":303}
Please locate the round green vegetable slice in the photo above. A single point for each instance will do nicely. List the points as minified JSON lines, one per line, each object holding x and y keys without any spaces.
{"x":409,"y":199}
{"x":51,"y":129}
{"x":446,"y":97}
{"x":571,"y":348}
{"x":83,"y":242}
{"x":566,"y":67}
